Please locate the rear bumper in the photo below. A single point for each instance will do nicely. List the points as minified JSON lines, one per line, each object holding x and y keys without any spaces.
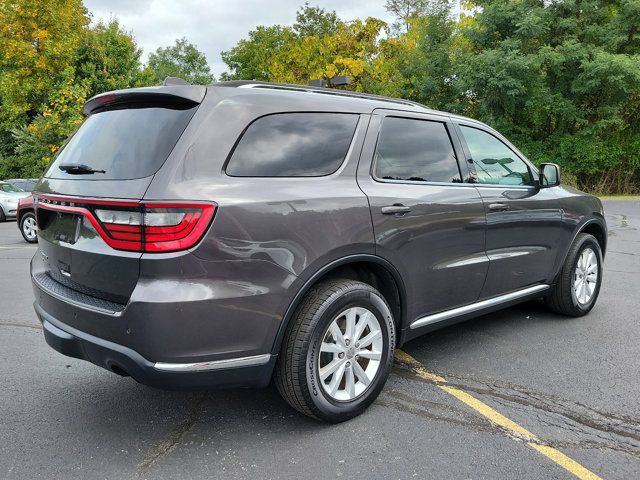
{"x":254,"y":371}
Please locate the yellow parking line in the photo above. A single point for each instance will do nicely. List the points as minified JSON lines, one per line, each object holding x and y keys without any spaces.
{"x":497,"y":418}
{"x":564,"y":461}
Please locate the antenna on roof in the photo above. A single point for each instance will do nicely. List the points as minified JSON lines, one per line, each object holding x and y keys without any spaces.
{"x":174,"y":81}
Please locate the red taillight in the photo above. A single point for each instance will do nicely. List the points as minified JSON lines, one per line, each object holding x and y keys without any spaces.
{"x":140,"y":226}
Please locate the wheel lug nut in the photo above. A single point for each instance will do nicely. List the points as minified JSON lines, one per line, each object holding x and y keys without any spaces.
{"x":357,"y":344}
{"x":348,"y":364}
{"x":341,"y":355}
{"x":346,"y":342}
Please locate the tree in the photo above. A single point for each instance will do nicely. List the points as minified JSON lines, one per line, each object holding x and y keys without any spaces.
{"x":182,"y":60}
{"x":348,"y":51}
{"x":108,"y":59}
{"x":429,"y":66}
{"x":408,"y":10}
{"x":315,"y":21}
{"x":319,"y":45}
{"x":562,"y":79}
{"x":38,"y":142}
{"x":251,"y":58}
{"x":36,"y":44}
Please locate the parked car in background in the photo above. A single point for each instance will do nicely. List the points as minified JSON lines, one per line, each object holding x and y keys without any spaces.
{"x":27,"y":219}
{"x":193,"y":237}
{"x":9,"y":196}
{"x":26,"y":184}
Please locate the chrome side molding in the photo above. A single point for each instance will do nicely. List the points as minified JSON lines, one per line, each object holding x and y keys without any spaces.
{"x":213,"y":365}
{"x":475,"y":307}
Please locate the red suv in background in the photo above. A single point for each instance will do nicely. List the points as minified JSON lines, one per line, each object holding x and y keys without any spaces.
{"x":26,"y":219}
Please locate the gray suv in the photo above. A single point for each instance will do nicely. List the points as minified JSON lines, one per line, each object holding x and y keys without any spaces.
{"x":193,"y":237}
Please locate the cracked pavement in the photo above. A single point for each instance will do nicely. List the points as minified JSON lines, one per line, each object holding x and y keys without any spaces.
{"x":573,"y":382}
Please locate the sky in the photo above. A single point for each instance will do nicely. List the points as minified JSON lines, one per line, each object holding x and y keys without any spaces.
{"x":214,"y":25}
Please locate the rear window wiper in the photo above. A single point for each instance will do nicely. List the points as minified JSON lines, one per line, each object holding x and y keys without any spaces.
{"x":76,"y":169}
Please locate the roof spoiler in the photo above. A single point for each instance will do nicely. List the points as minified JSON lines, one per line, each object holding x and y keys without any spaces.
{"x":174,"y":81}
{"x":177,"y":96}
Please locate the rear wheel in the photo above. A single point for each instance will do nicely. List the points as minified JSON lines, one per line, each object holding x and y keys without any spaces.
{"x":337,"y":352}
{"x":579,"y":282}
{"x":28,"y":227}
{"x":2,"y":216}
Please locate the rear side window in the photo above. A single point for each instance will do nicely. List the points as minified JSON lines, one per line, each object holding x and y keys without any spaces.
{"x":416,"y":150}
{"x":293,"y":145}
{"x":126,"y":143}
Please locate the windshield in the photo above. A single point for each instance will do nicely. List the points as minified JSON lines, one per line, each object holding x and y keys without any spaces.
{"x":7,"y":187}
{"x":126,"y":143}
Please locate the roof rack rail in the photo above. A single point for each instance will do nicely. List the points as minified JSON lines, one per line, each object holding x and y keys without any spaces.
{"x":320,"y":90}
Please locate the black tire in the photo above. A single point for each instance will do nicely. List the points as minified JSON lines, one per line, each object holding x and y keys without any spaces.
{"x":562,"y":298}
{"x":296,"y":374}
{"x":2,"y":216}
{"x":23,"y":219}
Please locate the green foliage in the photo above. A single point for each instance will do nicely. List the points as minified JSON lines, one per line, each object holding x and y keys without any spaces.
{"x":182,"y":60}
{"x":251,"y":58}
{"x":318,"y":46}
{"x":563,"y":80}
{"x":315,"y":21}
{"x":108,"y":59}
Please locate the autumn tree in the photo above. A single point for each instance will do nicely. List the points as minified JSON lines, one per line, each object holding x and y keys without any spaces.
{"x":318,"y":46}
{"x":37,"y":45}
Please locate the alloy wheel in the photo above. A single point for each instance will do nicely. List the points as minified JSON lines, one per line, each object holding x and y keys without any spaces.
{"x":585,"y":276}
{"x":350,"y":354}
{"x":29,"y":228}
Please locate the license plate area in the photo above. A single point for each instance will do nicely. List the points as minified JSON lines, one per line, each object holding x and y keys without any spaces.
{"x":59,"y":227}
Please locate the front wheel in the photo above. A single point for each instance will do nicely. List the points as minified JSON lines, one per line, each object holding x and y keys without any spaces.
{"x":29,"y":228}
{"x":579,"y":281}
{"x":337,"y":351}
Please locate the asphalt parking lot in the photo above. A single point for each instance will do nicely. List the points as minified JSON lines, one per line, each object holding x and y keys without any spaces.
{"x":573,"y":383}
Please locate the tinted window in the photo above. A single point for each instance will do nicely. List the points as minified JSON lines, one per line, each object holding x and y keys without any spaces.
{"x":495,"y":162}
{"x":127,"y":143}
{"x":7,"y":187}
{"x":418,"y":150}
{"x":293,"y":145}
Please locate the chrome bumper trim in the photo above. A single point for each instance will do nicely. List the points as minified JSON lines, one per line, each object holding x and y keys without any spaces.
{"x":213,"y":365}
{"x":474,"y":307}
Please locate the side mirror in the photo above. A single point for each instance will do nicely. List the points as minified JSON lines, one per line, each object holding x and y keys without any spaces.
{"x":549,"y":175}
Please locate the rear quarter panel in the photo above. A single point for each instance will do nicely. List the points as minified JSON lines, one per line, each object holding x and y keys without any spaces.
{"x":268,"y":237}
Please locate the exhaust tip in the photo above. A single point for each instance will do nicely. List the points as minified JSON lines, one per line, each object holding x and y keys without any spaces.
{"x":119,"y":370}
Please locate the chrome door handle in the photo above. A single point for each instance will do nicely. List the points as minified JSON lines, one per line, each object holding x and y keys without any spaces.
{"x":498,"y":207}
{"x":397,"y":208}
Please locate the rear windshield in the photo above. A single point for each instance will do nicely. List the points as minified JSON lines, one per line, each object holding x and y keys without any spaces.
{"x":128,"y":143}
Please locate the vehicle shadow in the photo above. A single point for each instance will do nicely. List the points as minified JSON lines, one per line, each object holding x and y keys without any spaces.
{"x":515,"y":324}
{"x":123,"y":401}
